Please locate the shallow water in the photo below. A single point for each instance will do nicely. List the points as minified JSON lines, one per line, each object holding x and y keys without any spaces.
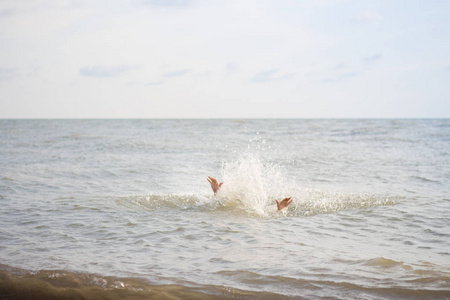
{"x":127,"y":201}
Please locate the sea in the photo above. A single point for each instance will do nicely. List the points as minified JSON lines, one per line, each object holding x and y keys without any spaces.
{"x":122,"y":209}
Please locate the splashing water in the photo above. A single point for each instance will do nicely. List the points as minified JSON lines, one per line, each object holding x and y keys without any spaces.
{"x":251,"y":186}
{"x":251,"y":183}
{"x":254,"y":184}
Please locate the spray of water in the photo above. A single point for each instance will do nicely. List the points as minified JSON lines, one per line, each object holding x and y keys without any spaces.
{"x":251,"y":185}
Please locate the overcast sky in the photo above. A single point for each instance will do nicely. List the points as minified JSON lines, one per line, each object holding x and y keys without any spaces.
{"x":224,"y":59}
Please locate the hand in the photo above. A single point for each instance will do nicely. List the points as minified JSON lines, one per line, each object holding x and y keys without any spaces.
{"x":284,"y":203}
{"x":215,"y":185}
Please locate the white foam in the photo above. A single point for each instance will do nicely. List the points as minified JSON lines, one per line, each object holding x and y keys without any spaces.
{"x":253,"y":184}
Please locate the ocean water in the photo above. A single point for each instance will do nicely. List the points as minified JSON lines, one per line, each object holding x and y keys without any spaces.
{"x":117,"y":209}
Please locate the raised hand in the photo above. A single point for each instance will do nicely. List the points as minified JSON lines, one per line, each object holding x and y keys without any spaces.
{"x":284,"y":203}
{"x":215,"y":185}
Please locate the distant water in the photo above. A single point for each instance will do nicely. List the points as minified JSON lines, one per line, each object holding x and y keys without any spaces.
{"x":117,"y":209}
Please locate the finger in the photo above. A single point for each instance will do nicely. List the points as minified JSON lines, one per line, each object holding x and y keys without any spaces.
{"x":209,"y":180}
{"x":289,"y":202}
{"x":220,"y":184}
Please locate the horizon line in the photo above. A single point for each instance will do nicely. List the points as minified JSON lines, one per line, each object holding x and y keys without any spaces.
{"x":236,"y":118}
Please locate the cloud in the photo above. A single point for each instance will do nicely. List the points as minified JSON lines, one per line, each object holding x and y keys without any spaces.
{"x":154,"y":83}
{"x":349,"y":75}
{"x":22,"y":7}
{"x":232,"y":67}
{"x":368,"y":16}
{"x":341,"y":77}
{"x":340,"y":66}
{"x":375,"y":57}
{"x":270,"y":75}
{"x":163,"y":3}
{"x":6,"y":12}
{"x":178,"y":73}
{"x":104,"y":71}
{"x":8,"y":74}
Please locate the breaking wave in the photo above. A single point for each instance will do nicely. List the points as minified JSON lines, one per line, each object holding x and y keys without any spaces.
{"x":59,"y":284}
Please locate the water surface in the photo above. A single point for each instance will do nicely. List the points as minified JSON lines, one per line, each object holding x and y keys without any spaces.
{"x":123,"y":206}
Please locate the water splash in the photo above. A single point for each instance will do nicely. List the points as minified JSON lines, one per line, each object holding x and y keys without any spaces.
{"x":251,"y":185}
{"x":310,"y":202}
{"x":254,"y":184}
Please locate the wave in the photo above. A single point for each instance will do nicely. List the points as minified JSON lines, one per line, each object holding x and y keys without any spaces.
{"x":59,"y":284}
{"x":307,"y":202}
{"x":17,"y":283}
{"x":385,"y":263}
{"x":424,"y":179}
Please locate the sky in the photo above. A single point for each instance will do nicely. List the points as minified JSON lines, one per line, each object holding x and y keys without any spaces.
{"x":224,"y":59}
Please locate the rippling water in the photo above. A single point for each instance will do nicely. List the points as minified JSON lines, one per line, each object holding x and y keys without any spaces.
{"x":122,"y":209}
